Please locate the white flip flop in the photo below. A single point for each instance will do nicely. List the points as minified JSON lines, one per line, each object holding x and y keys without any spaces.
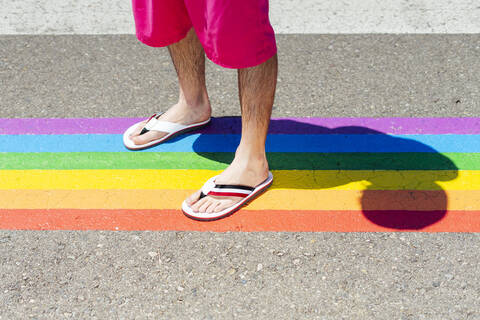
{"x":153,"y":124}
{"x":211,"y":188}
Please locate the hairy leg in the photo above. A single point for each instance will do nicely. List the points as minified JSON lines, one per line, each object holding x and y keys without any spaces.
{"x":256,"y":88}
{"x":193,"y":104}
{"x":249,"y":167}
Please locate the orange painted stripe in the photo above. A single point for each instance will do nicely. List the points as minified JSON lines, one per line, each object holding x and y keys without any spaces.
{"x":275,"y":199}
{"x":245,"y":220}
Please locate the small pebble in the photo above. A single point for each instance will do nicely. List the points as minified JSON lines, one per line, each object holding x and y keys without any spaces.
{"x":152,"y":254}
{"x":179,"y":288}
{"x":259,"y":267}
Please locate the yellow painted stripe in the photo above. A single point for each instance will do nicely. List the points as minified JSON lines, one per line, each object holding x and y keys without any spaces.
{"x":283,"y":179}
{"x":272,"y":200}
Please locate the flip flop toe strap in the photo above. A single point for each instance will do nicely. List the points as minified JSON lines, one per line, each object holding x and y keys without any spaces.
{"x":226,"y":190}
{"x":158,"y":125}
{"x":154,"y":117}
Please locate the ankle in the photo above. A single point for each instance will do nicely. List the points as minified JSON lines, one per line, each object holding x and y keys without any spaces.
{"x":249,"y":158}
{"x":199,"y":100}
{"x":251,"y":151}
{"x":192,"y":112}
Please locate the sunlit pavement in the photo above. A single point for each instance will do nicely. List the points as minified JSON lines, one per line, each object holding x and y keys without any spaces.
{"x":355,"y":155}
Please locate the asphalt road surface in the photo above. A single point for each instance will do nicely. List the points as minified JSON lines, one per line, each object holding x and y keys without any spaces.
{"x":204,"y":275}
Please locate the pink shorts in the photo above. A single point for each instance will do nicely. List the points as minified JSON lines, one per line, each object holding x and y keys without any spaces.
{"x":234,"y":33}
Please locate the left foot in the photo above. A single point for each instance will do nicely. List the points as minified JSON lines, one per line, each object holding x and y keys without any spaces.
{"x":244,"y":170}
{"x":181,"y":113}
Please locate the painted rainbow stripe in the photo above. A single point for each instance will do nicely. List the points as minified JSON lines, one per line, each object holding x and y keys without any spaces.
{"x":330,"y":174}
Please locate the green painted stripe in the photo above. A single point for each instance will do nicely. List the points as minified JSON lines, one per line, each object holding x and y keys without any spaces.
{"x":218,"y":161}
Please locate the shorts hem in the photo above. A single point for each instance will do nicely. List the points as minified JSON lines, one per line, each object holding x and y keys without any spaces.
{"x":262,"y":58}
{"x":162,"y":43}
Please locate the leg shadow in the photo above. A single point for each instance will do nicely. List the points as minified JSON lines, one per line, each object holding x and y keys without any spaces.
{"x":411,"y":201}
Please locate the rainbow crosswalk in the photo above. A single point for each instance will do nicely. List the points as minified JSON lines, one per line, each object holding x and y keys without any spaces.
{"x":330,"y":174}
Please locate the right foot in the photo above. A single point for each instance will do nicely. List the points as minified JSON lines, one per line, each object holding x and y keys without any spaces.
{"x":244,"y":170}
{"x":180,"y":113}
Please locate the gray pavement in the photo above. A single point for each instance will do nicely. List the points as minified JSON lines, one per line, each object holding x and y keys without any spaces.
{"x":320,"y":75}
{"x":191,"y":275}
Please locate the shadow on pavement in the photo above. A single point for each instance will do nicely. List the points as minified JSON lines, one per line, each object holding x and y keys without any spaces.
{"x":413,"y":209}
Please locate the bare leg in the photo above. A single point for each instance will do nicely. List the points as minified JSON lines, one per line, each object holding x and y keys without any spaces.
{"x":193,"y":104}
{"x":249,"y":167}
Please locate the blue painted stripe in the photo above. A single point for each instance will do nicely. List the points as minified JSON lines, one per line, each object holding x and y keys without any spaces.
{"x":228,"y":143}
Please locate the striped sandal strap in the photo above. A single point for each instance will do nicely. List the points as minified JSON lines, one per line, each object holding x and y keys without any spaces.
{"x":226,"y":190}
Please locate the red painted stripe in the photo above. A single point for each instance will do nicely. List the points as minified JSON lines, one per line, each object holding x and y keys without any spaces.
{"x":227,"y":194}
{"x":269,"y":220}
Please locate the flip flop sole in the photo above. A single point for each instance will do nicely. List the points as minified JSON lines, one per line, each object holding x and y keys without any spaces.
{"x":129,"y":146}
{"x":262,"y":188}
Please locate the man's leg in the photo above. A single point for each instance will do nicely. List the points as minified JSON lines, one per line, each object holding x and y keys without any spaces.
{"x":256,"y":90}
{"x":193,"y":104}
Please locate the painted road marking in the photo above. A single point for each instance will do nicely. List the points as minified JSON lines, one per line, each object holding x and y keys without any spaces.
{"x":220,"y":160}
{"x":429,"y":180}
{"x":229,"y":142}
{"x":306,"y":16}
{"x":275,"y":199}
{"x":284,"y":179}
{"x":232,"y":125}
{"x":247,"y":221}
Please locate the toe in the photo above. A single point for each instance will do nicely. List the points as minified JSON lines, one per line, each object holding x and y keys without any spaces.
{"x":227,"y":203}
{"x":205,"y":205}
{"x":147,"y":137}
{"x":138,"y":129}
{"x":196,"y":206}
{"x":142,"y":139}
{"x":211,"y":207}
{"x":223,"y":205}
{"x":193,"y":198}
{"x":218,"y":207}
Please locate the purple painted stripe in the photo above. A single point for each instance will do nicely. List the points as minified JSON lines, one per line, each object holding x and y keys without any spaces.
{"x":231,"y":125}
